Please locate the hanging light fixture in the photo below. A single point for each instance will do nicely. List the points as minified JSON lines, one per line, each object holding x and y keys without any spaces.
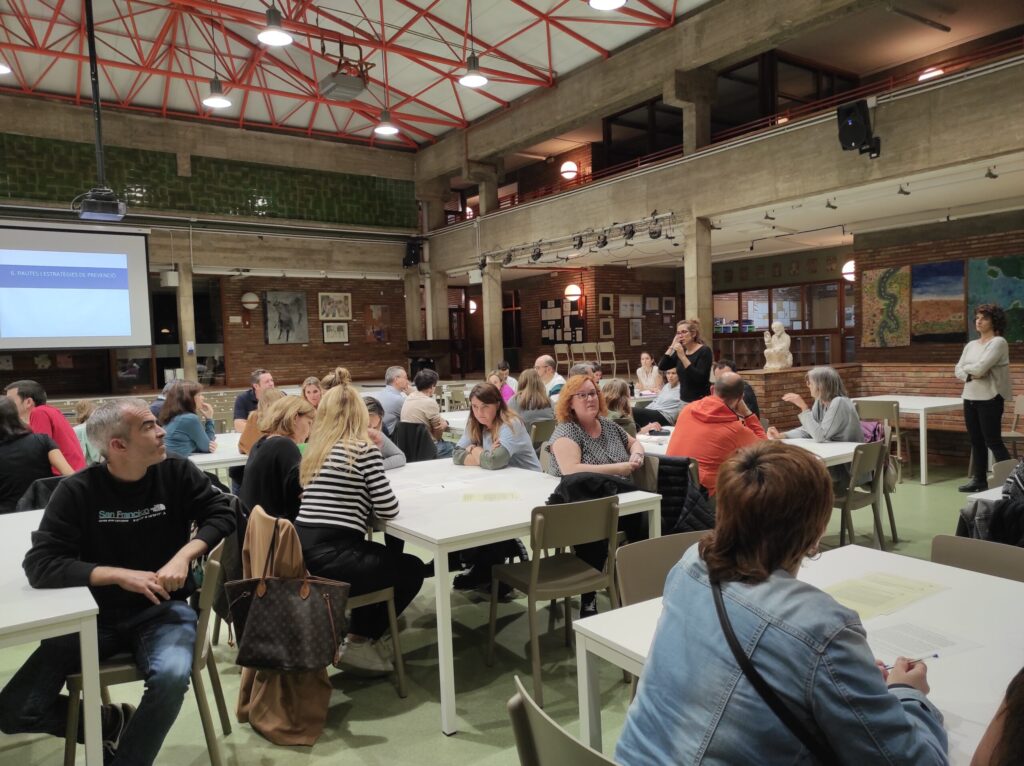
{"x":573,"y":292}
{"x":274,"y":35}
{"x":385,"y":127}
{"x":4,"y":68}
{"x":569,"y":170}
{"x":473,"y":78}
{"x":216,"y":99}
{"x":606,"y":5}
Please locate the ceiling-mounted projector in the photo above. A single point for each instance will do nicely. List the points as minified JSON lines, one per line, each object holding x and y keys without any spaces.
{"x":101,"y":205}
{"x":340,"y":86}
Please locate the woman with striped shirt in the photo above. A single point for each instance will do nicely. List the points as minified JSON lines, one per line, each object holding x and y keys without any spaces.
{"x":343,"y":481}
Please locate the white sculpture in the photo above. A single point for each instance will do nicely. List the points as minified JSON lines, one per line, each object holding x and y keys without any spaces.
{"x":776,"y":348}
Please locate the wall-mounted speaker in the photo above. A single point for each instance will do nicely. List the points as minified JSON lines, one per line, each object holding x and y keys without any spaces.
{"x":413,"y":253}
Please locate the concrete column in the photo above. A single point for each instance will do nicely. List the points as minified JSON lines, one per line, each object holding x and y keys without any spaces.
{"x":432,"y":195}
{"x":186,"y":322}
{"x":488,"y":196}
{"x":413,"y":304}
{"x":439,"y":305}
{"x":694,"y":93}
{"x":486,"y":178}
{"x":494,"y":349}
{"x":697,"y":274}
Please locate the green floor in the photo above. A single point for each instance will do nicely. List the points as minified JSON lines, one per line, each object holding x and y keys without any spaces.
{"x":369,"y":724}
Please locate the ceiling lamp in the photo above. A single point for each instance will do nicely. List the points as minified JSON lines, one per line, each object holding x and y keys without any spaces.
{"x":273,"y":35}
{"x":385,"y":127}
{"x":573,"y":292}
{"x":216,"y":99}
{"x":473,"y":78}
{"x":606,"y":5}
{"x":4,"y":68}
{"x":930,"y":73}
{"x":602,"y":240}
{"x":536,"y":254}
{"x":577,"y":242}
{"x":849,"y":271}
{"x":569,"y":170}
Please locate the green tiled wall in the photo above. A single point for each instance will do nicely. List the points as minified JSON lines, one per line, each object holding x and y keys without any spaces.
{"x":57,"y":171}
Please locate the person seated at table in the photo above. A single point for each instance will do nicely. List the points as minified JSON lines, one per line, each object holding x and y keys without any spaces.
{"x":694,"y":703}
{"x":392,"y":396}
{"x":30,"y":399}
{"x":421,"y":407}
{"x":586,"y":441}
{"x":343,"y":482}
{"x":506,"y":377}
{"x":311,"y":390}
{"x":582,"y":368}
{"x":260,"y":381}
{"x":728,"y":365}
{"x":158,"y":404}
{"x":187,"y":420}
{"x":1002,"y":744}
{"x":598,"y":373}
{"x":616,"y":398}
{"x":545,"y":367}
{"x":664,"y":410}
{"x":691,"y":360}
{"x":507,"y":392}
{"x":712,"y":429}
{"x":272,"y":471}
{"x":83,"y":409}
{"x":252,"y":432}
{"x":392,"y":456}
{"x":333,"y":378}
{"x":139,"y":574}
{"x":531,"y":402}
{"x":24,"y":456}
{"x":648,"y":377}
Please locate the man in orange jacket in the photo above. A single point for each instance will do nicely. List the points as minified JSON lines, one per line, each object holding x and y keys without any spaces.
{"x":709,"y":430}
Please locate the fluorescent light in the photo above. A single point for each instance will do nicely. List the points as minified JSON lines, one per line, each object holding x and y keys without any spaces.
{"x":4,"y":68}
{"x":930,"y":73}
{"x":385,"y":127}
{"x":473,"y":78}
{"x":274,"y":35}
{"x":606,"y":5}
{"x":216,"y":99}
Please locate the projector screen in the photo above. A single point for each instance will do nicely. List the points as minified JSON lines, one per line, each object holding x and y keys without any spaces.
{"x":73,"y":288}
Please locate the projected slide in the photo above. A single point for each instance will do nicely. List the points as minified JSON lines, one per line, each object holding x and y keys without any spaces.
{"x":64,"y":294}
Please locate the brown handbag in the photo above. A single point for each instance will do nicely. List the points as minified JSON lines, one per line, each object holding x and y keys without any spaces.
{"x":287,"y":624}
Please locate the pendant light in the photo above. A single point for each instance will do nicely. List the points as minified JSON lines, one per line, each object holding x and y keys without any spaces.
{"x":385,"y":127}
{"x":274,"y":35}
{"x":216,"y":99}
{"x":473,"y":78}
{"x":4,"y":68}
{"x":606,"y":5}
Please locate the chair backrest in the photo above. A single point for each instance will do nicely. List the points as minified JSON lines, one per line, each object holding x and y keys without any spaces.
{"x":542,"y":742}
{"x":545,"y":457}
{"x":982,"y":556}
{"x":212,"y":574}
{"x":885,"y":412}
{"x":641,"y":568}
{"x":1000,"y":472}
{"x":565,"y":524}
{"x":414,"y":440}
{"x":38,"y":493}
{"x":562,"y":349}
{"x":590,"y":351}
{"x":576,"y":352}
{"x":868,"y":457}
{"x":541,"y":430}
{"x":606,"y":349}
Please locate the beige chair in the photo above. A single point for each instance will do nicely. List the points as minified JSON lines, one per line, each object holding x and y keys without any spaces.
{"x":982,"y":556}
{"x":540,"y":432}
{"x":542,"y":742}
{"x":1000,"y":472}
{"x":562,"y":356}
{"x":888,"y":413}
{"x":562,"y":575}
{"x":606,"y":353}
{"x":576,"y":353}
{"x":386,"y":596}
{"x":545,"y":457}
{"x":123,"y":670}
{"x":458,"y":400}
{"x":868,"y":457}
{"x":1015,"y":434}
{"x":641,"y":567}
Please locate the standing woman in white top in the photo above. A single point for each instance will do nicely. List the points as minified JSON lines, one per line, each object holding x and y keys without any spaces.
{"x":648,"y":376}
{"x":984,"y":367}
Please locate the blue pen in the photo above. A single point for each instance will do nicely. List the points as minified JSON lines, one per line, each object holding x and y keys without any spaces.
{"x":919,"y":659}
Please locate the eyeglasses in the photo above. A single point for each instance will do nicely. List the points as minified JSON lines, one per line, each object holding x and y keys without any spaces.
{"x":586,"y":395}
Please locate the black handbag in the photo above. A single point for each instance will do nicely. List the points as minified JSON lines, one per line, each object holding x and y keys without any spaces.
{"x":819,"y":749}
{"x":287,"y":624}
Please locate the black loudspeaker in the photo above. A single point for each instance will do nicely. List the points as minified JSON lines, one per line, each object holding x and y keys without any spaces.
{"x":413,"y":253}
{"x":854,"y":125}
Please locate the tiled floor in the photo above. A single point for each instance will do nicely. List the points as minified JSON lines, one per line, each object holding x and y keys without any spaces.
{"x":369,"y":724}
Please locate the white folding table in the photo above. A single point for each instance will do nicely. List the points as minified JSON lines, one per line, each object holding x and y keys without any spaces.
{"x":920,"y":406}
{"x":28,"y":615}
{"x":966,"y":685}
{"x":446,"y":508}
{"x":831,"y":453}
{"x":225,"y":456}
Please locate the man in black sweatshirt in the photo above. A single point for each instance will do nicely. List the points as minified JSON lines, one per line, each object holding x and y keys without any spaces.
{"x":122,"y":527}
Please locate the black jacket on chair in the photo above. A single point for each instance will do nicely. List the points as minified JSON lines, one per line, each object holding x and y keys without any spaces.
{"x":684,"y":508}
{"x":588,"y":486}
{"x":414,"y":440}
{"x":38,"y":493}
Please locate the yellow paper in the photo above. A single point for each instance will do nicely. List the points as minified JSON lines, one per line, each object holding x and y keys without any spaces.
{"x":488,"y":497}
{"x":879,"y":593}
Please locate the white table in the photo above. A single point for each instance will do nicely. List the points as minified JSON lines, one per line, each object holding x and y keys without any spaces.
{"x":920,"y":406}
{"x":28,"y":615}
{"x":446,"y":508}
{"x":456,"y":420}
{"x":831,"y":453}
{"x":225,"y":456}
{"x":967,"y":686}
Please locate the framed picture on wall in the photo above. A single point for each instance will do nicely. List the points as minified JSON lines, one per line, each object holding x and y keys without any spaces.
{"x":335,"y":306}
{"x":335,"y":332}
{"x":651,"y":303}
{"x":606,"y":303}
{"x":286,"y":320}
{"x":631,"y":306}
{"x":377,"y":321}
{"x":668,"y":305}
{"x":607,"y":327}
{"x":668,"y":319}
{"x":636,"y":332}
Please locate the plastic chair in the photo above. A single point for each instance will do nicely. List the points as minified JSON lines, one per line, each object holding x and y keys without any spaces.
{"x":123,"y":670}
{"x":1000,"y":472}
{"x":982,"y":556}
{"x":540,"y":432}
{"x":868,"y":457}
{"x":641,"y":567}
{"x":576,"y":353}
{"x":542,"y":742}
{"x":458,"y":400}
{"x":545,"y":457}
{"x":888,"y":413}
{"x":562,"y":575}
{"x":563,"y":356}
{"x":590,"y":353}
{"x":606,"y":354}
{"x":1015,"y":435}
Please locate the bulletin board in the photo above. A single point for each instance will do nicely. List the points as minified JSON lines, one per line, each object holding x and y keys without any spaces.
{"x":561,"y":321}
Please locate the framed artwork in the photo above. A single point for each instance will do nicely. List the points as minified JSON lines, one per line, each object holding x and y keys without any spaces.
{"x":606,"y":303}
{"x":607,"y":327}
{"x":631,"y":306}
{"x":885,"y":298}
{"x":335,"y":306}
{"x":561,"y":321}
{"x":377,"y":321}
{"x":937,"y":303}
{"x":668,"y":305}
{"x":668,"y":319}
{"x":335,"y":332}
{"x":997,"y":279}
{"x":651,"y":304}
{"x":636,"y":332}
{"x":286,"y":319}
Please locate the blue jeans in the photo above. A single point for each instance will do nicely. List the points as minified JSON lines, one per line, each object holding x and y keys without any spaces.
{"x":445,"y":449}
{"x":161,"y":638}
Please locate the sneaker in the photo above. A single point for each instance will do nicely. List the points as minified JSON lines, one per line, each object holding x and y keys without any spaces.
{"x":472,"y":579}
{"x":365,"y":658}
{"x":114,"y":720}
{"x":973,"y":486}
{"x":588,"y":605}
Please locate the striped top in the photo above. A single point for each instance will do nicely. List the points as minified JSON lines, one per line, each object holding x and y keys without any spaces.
{"x":349,"y":487}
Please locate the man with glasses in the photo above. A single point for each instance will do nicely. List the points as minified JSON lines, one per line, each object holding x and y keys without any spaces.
{"x":553,"y":382}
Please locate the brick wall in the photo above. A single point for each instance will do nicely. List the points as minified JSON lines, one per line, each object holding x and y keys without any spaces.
{"x":246,"y":349}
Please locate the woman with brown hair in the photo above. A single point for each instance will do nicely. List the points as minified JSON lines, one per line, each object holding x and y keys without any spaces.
{"x":695,"y":703}
{"x":691,"y":359}
{"x":187,"y":419}
{"x":531,"y":401}
{"x":616,"y":398}
{"x":495,"y":436}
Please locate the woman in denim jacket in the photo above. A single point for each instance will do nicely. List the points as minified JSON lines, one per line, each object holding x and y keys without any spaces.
{"x":695,"y":706}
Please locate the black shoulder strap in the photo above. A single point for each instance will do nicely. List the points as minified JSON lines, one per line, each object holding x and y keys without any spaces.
{"x":821,"y":751}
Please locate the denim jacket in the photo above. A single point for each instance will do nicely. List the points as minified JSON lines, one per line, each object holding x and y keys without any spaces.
{"x":695,"y":706}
